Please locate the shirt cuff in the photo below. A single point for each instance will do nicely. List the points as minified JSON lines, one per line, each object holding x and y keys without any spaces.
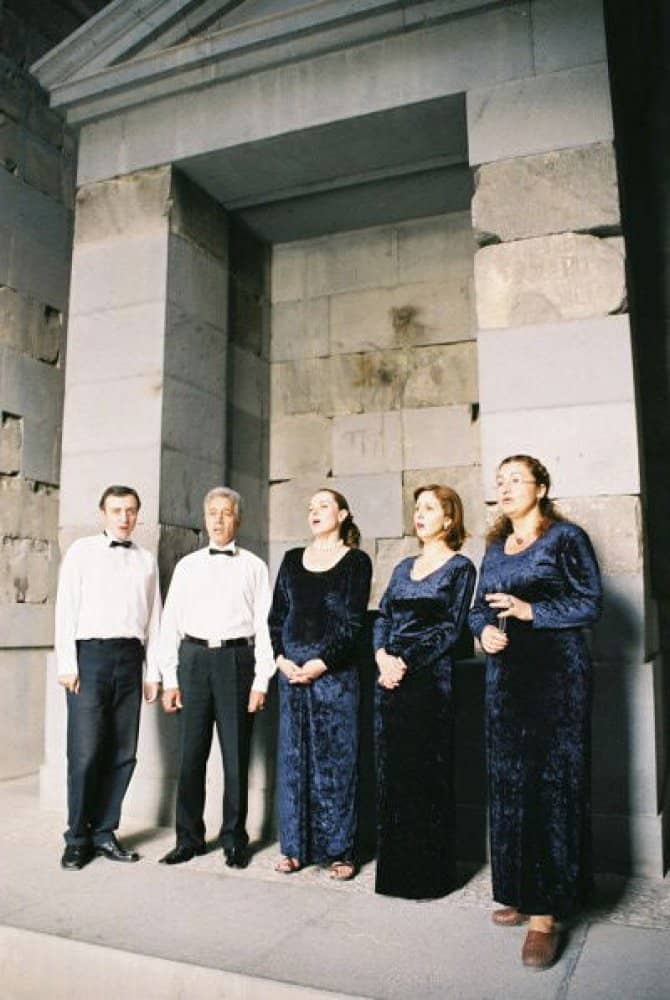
{"x":169,"y":677}
{"x":260,"y":684}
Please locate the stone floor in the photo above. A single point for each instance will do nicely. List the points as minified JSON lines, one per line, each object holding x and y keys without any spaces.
{"x":203,"y":931}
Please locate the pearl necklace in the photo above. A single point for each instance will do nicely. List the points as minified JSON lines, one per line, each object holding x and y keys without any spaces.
{"x":327,"y":548}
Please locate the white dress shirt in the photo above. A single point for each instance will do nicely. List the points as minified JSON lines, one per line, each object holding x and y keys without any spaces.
{"x":218,"y":597}
{"x":107,"y":592}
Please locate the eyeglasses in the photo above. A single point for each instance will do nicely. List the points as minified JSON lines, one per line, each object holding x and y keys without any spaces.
{"x":514,"y":480}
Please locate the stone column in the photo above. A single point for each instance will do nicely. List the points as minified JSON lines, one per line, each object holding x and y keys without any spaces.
{"x":145,"y":405}
{"x":556,"y":380}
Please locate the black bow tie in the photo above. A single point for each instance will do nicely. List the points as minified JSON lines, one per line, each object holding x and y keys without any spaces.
{"x":116,"y":544}
{"x":221,"y":552}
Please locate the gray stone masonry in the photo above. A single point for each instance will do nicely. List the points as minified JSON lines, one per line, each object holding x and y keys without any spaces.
{"x":567,"y":190}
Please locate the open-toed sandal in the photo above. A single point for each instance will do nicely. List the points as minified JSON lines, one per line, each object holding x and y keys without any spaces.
{"x":341,"y":870}
{"x":287,"y":866}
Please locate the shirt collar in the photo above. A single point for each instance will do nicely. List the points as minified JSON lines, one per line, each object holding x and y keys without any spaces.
{"x":108,"y":539}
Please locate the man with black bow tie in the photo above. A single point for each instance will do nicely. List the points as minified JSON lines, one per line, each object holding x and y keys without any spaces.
{"x":107,"y":617}
{"x":216,"y":661}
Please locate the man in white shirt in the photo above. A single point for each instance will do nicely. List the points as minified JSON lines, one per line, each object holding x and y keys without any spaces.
{"x":107,"y":620}
{"x":216,"y":660}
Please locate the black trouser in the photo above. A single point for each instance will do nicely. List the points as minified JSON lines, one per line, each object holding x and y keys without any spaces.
{"x":215,"y":686}
{"x":102,"y":727}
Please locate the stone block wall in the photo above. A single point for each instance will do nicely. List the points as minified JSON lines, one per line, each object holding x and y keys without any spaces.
{"x":36,"y":200}
{"x":374,"y":379}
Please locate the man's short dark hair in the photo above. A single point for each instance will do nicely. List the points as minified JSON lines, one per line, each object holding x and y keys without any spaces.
{"x":119,"y":491}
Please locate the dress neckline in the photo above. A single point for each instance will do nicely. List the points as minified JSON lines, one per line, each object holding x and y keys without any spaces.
{"x":420,"y":579}
{"x":521,"y":552}
{"x":320,"y":572}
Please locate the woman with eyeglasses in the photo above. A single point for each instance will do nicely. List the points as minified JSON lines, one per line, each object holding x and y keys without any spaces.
{"x":539,"y":587}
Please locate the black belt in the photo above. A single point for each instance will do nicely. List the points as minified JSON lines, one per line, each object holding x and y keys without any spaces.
{"x":118,"y":639}
{"x":247,"y":640}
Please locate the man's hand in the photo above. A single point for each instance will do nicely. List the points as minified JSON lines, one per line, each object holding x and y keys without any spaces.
{"x":171,"y":700}
{"x":256,"y":701}
{"x":70,"y":682}
{"x":151,"y":691}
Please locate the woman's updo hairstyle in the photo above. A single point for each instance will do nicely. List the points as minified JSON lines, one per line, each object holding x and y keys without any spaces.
{"x":349,"y":532}
{"x":503,"y":526}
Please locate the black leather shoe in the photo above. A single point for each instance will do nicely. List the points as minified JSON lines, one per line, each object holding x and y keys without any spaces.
{"x":76,"y":856}
{"x":180,"y":854}
{"x":236,"y":857}
{"x":113,"y":850}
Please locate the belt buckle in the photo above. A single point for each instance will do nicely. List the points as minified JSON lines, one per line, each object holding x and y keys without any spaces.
{"x":213,"y":644}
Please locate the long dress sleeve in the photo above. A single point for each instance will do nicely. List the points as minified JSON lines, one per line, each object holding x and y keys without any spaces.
{"x":481,"y":614}
{"x":279,"y":611}
{"x":347,"y":621}
{"x":580,"y":602}
{"x":382,"y":626}
{"x":438,"y":637}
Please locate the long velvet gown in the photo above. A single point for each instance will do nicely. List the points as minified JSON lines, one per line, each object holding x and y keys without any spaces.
{"x":538,"y":720}
{"x":419,"y":620}
{"x":319,"y":615}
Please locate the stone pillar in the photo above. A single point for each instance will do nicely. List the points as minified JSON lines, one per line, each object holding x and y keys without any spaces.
{"x":36,"y":198}
{"x":145,"y":404}
{"x":556,"y":380}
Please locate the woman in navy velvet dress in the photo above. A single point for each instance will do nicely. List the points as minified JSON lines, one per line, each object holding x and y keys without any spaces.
{"x":318,"y":610}
{"x":539,"y":586}
{"x":421,"y":616}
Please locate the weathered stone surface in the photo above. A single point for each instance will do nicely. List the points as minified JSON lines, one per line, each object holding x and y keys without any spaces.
{"x":249,"y":382}
{"x":434,"y":312}
{"x":26,"y":626}
{"x":42,"y":167}
{"x":248,"y":446}
{"x":193,"y":421}
{"x":466,"y":480}
{"x":288,"y":280}
{"x":566,"y":190}
{"x":548,"y":278}
{"x":376,"y":504}
{"x":174,"y":543}
{"x":184,"y":481}
{"x":389,"y":552}
{"x":614,"y":525}
{"x":197,"y":217}
{"x":440,"y":375}
{"x":12,"y":143}
{"x":40,"y":454}
{"x":24,"y":571}
{"x":589,"y":450}
{"x":10,"y":444}
{"x":127,"y":206}
{"x":345,"y":383}
{"x":300,"y":445}
{"x":299,"y":329}
{"x":365,"y":443}
{"x":22,"y":680}
{"x":93,"y":411}
{"x":35,"y":242}
{"x":197,"y":282}
{"x":27,"y":511}
{"x":539,"y":113}
{"x":27,"y":326}
{"x":110,"y":344}
{"x":567,"y":33}
{"x":430,"y":249}
{"x":30,"y":388}
{"x":119,"y":274}
{"x":439,"y":436}
{"x":513,"y":367}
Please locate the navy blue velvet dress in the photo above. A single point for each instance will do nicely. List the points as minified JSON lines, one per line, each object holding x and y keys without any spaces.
{"x":538,"y":719}
{"x":419,"y":620}
{"x":319,"y":615}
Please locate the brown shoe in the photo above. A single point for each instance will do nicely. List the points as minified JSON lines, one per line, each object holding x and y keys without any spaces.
{"x":509,"y":916}
{"x":540,"y":949}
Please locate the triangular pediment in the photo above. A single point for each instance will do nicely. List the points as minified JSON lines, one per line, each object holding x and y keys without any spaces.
{"x":138,"y":50}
